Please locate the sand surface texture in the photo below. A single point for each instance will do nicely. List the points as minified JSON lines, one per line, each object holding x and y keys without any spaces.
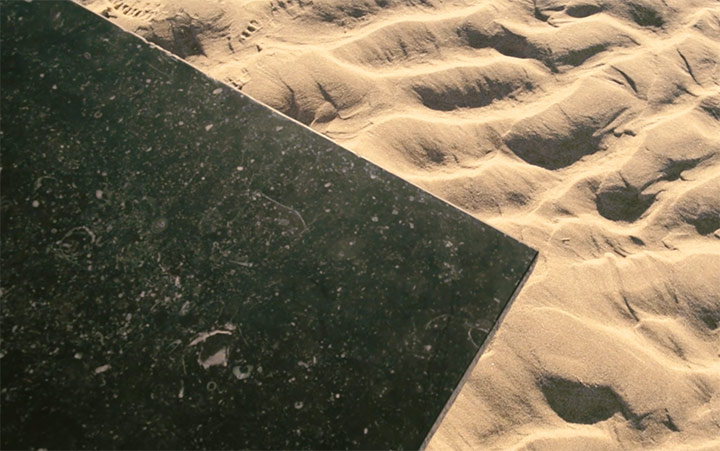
{"x":589,"y":130}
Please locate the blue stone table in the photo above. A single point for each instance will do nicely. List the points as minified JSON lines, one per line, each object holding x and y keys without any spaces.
{"x":185,"y":268}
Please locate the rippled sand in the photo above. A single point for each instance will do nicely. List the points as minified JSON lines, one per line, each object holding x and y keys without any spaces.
{"x":590,"y":130}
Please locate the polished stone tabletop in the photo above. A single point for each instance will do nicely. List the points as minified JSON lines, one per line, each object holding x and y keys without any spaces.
{"x":184,"y":268}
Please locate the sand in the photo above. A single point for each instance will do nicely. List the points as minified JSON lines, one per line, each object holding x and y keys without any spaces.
{"x":588,"y":129}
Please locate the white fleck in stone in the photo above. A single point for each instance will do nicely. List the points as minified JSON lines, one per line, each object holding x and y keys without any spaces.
{"x":102,"y":368}
{"x":242,"y":374}
{"x":328,"y":185}
{"x":365,"y":431}
{"x":35,"y":204}
{"x":278,"y":128}
{"x":239,"y":168}
{"x":217,"y":91}
{"x":218,"y":358}
{"x":428,"y":348}
{"x":202,"y":337}
{"x":99,"y":194}
{"x":181,"y":123}
{"x":375,"y":219}
{"x":299,"y":405}
{"x":54,"y":87}
{"x":78,"y":356}
{"x":208,"y":127}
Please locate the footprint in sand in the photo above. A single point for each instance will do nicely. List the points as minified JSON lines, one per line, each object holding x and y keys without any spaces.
{"x":137,"y":9}
{"x":290,"y":7}
{"x":250,"y":30}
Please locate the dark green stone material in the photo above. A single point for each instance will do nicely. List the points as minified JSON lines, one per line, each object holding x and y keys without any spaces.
{"x":184,"y":268}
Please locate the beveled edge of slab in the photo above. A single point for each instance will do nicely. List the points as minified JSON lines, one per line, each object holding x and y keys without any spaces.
{"x":471,"y":367}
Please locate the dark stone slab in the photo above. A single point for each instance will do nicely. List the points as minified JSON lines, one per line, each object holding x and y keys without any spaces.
{"x":184,"y":268}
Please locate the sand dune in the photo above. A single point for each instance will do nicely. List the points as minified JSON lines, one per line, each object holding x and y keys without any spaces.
{"x":589,"y":129}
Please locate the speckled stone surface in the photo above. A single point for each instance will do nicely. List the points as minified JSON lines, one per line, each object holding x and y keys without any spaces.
{"x":184,"y":268}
